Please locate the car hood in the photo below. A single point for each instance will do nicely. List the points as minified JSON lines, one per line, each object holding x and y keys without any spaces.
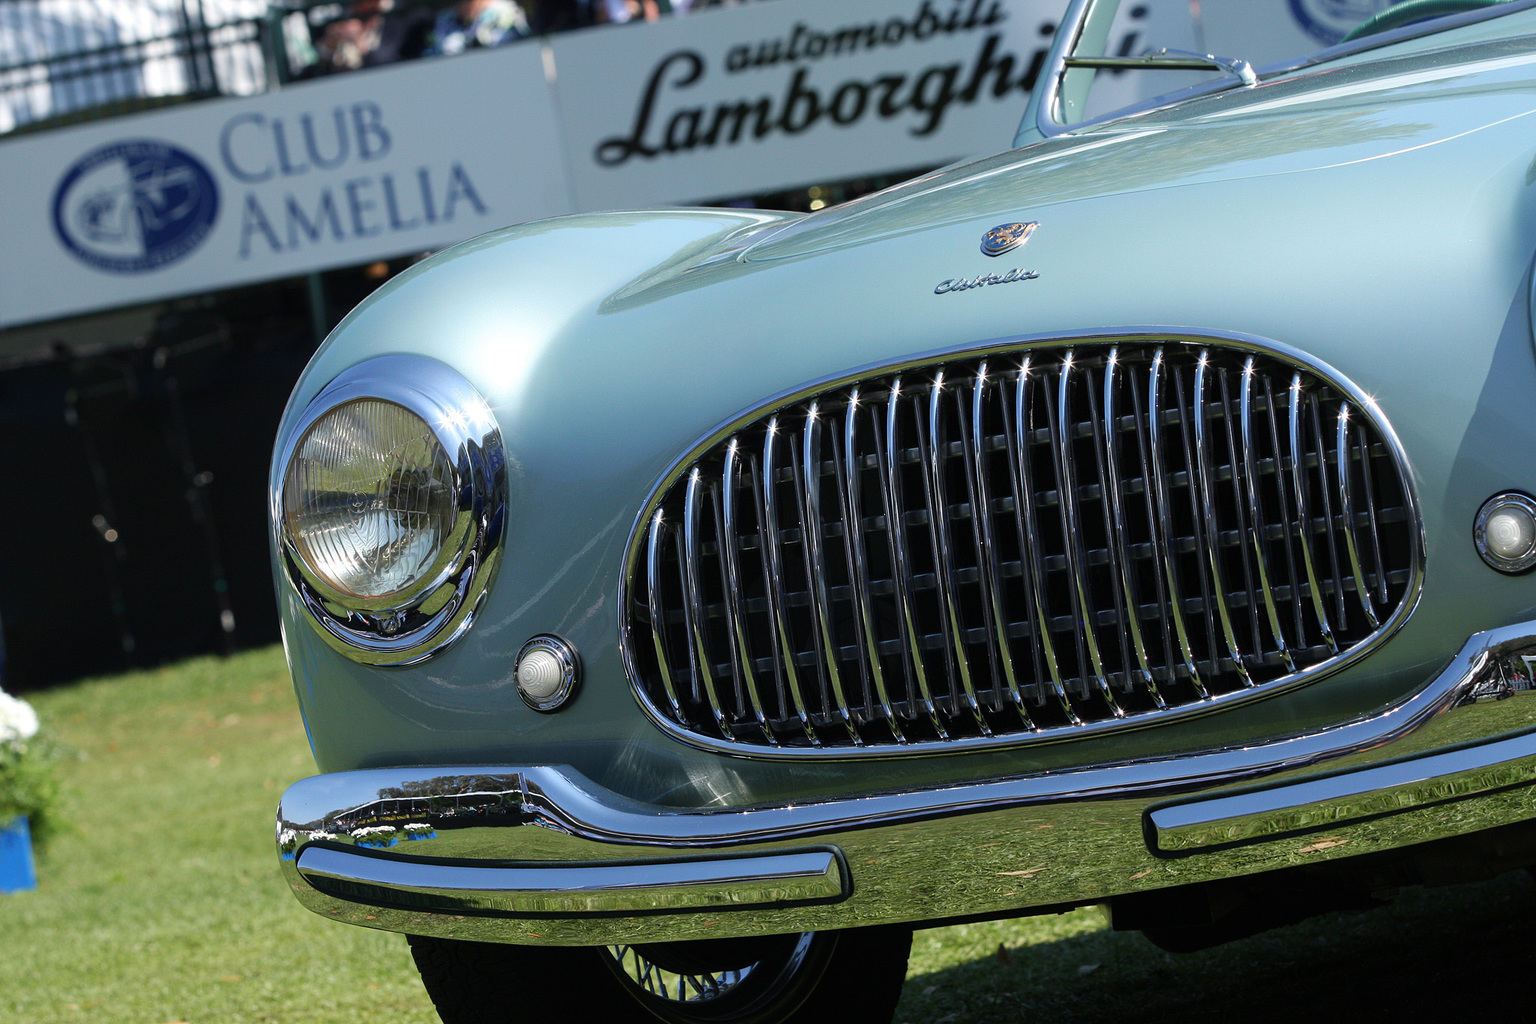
{"x":1321,"y":118}
{"x":1390,"y":242}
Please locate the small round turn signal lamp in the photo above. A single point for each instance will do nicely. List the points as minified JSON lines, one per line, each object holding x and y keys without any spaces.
{"x":1505,"y":532}
{"x":547,"y":673}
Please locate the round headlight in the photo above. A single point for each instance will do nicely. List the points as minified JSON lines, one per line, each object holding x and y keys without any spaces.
{"x":369,"y":498}
{"x":390,"y":508}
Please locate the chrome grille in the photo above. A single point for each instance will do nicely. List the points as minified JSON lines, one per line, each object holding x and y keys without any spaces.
{"x":1040,"y":542}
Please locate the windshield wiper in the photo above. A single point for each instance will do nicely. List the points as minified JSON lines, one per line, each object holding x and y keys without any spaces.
{"x":1166,"y":58}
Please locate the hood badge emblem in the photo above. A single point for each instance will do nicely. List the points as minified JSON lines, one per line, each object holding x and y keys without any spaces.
{"x":1001,"y":239}
{"x":1007,"y":237}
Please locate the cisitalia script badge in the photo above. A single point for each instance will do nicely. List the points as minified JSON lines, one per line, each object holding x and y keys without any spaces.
{"x":1007,"y":237}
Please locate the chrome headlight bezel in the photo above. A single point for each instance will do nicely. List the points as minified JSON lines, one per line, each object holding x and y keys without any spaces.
{"x":408,"y":625}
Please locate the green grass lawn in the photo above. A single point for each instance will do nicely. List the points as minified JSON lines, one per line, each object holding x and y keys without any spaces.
{"x":164,"y":904}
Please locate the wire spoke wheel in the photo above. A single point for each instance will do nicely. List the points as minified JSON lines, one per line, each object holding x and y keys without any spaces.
{"x":730,"y":980}
{"x":683,"y":988}
{"x":806,"y":978}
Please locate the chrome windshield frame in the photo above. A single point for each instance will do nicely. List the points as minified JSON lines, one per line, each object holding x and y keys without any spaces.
{"x":1048,"y":94}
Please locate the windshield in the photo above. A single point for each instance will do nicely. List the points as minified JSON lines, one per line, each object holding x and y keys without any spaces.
{"x":1128,"y":52}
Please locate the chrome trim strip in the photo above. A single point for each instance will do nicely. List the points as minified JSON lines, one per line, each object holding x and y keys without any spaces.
{"x":720,"y":883}
{"x":1164,"y":57}
{"x":996,"y":348}
{"x":1349,"y":796}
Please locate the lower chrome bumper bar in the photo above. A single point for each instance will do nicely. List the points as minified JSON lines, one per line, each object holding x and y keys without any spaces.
{"x":733,"y":883}
{"x":540,"y":854}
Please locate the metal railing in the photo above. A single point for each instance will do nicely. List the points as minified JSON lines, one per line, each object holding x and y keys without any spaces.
{"x":65,"y":61}
{"x":71,"y":60}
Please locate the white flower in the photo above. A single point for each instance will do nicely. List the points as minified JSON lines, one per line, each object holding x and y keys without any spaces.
{"x":318,"y":835}
{"x":285,"y":836}
{"x":375,"y":830}
{"x":417,"y":826}
{"x":18,"y":722}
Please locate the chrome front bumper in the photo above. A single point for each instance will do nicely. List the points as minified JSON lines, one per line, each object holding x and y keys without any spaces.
{"x":539,"y":854}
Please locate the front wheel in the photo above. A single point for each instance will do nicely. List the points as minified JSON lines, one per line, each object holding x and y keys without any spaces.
{"x":810,"y":978}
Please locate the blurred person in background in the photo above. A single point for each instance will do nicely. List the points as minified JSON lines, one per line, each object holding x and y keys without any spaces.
{"x":470,"y":24}
{"x":373,"y":32}
{"x":620,"y":11}
{"x":563,"y":15}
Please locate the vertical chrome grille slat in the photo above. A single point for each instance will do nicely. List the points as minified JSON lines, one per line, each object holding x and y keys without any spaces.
{"x":786,"y":673}
{"x":811,"y":521}
{"x":1304,"y":517}
{"x":658,"y":614}
{"x":1282,"y":500}
{"x":896,"y":529}
{"x":694,"y":612}
{"x":966,"y":552}
{"x":858,"y":568}
{"x":1165,"y":525}
{"x":1083,"y":611}
{"x":1324,"y":492}
{"x":977,"y":481}
{"x":957,"y":658}
{"x":1127,"y":610}
{"x":1021,"y":477}
{"x":1371,"y":514}
{"x":1234,"y":462}
{"x":1207,"y":492}
{"x":1256,"y":518}
{"x":1210,"y":611}
{"x":747,"y":689}
{"x":1347,"y":510}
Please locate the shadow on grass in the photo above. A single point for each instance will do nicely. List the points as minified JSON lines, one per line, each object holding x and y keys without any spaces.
{"x":1434,"y":954}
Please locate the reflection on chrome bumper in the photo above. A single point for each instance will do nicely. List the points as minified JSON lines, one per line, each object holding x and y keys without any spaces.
{"x":728,"y":882}
{"x":541,"y":854}
{"x":1346,"y":797}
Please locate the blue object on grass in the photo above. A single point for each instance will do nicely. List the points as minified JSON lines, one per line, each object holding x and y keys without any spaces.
{"x":16,"y":871}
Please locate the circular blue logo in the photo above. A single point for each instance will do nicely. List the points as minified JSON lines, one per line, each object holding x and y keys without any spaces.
{"x":135,"y":206}
{"x":1329,"y":21}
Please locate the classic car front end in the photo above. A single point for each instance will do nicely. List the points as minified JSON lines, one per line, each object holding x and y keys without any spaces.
{"x":694,"y":601}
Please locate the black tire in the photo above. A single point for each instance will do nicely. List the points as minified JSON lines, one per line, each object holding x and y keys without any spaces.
{"x":814,"y":978}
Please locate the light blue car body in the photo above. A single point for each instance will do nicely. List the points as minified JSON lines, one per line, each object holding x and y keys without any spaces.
{"x":1377,"y":214}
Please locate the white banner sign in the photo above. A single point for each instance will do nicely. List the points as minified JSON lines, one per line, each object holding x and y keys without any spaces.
{"x":774,"y":96}
{"x":334,"y":173}
{"x":363,"y":166}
